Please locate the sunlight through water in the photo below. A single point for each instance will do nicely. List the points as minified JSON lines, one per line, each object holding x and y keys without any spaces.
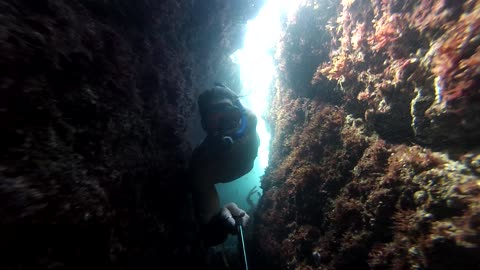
{"x":257,"y":68}
{"x":257,"y":72}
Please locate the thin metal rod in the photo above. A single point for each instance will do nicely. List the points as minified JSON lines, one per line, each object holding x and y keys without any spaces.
{"x":241,"y":247}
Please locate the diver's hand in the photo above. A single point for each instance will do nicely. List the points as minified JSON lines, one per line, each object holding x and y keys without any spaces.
{"x":231,"y":212}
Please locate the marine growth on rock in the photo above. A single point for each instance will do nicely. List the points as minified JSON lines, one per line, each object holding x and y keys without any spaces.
{"x":374,"y":159}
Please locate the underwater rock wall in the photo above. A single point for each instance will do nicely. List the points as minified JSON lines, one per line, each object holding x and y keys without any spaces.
{"x":374,"y":160}
{"x":95,"y":100}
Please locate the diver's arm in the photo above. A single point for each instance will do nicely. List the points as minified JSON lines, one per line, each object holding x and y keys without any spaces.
{"x":206,"y":202}
{"x":213,"y":227}
{"x":206,"y":206}
{"x":252,"y":120}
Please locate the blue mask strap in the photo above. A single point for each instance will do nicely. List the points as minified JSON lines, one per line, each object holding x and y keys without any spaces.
{"x":243,"y":125}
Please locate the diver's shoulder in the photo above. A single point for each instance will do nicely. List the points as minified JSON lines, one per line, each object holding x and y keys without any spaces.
{"x":249,"y":112}
{"x":251,"y":115}
{"x":201,"y":148}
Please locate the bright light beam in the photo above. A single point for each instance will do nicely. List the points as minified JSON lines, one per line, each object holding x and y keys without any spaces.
{"x":257,"y":68}
{"x":257,"y":71}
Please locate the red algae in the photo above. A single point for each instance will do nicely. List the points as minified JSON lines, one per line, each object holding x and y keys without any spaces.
{"x":457,"y":59}
{"x":386,"y":176}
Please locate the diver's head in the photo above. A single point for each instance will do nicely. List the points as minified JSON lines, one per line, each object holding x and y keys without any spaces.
{"x":220,"y":109}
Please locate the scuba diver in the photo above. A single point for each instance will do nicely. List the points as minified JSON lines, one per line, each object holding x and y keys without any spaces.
{"x":227,"y":153}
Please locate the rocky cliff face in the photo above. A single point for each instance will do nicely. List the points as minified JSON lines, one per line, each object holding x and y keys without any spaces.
{"x":375,"y":117}
{"x":95,"y":101}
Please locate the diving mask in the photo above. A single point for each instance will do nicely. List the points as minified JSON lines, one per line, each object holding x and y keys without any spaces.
{"x":222,"y":117}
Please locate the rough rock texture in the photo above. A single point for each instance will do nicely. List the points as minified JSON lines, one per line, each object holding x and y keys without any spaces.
{"x":95,"y":98}
{"x":374,"y":159}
